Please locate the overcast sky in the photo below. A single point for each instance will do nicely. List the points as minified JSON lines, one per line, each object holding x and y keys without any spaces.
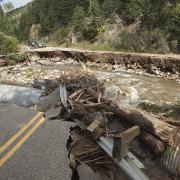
{"x":18,"y":3}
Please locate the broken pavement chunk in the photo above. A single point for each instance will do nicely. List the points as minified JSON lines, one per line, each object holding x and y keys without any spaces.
{"x":49,"y":101}
{"x":43,"y":84}
{"x":53,"y":113}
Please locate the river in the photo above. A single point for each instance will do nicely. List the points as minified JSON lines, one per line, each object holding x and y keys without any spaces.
{"x":134,"y":89}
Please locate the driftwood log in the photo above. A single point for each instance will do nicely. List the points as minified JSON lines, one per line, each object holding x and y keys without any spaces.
{"x":148,"y":123}
{"x":88,"y":104}
{"x":157,"y":146}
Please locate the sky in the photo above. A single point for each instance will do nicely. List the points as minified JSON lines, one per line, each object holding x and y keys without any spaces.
{"x":17,"y":3}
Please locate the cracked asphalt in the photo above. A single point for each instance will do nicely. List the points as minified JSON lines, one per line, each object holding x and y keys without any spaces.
{"x":42,"y":156}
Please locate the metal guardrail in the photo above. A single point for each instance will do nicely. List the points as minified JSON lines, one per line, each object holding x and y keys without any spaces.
{"x":131,"y":166}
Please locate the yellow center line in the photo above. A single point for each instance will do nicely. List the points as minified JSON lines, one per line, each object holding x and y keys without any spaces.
{"x":21,"y":142}
{"x":19,"y":133}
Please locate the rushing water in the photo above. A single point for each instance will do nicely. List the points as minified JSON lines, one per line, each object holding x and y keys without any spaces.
{"x":135,"y":89}
{"x":21,"y":96}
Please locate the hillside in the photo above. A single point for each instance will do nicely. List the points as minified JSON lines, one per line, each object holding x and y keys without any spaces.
{"x":128,"y":25}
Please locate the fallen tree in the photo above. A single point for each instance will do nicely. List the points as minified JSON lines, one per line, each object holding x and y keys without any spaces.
{"x":157,"y":146}
{"x":86,"y":98}
{"x":82,"y":96}
{"x":146,"y":121}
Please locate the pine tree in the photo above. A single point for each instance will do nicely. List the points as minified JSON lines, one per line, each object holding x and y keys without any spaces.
{"x":109,"y":7}
{"x":96,"y":13}
{"x":78,"y":18}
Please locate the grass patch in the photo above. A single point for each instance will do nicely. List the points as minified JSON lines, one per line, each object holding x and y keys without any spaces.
{"x":170,"y":111}
{"x":84,"y":45}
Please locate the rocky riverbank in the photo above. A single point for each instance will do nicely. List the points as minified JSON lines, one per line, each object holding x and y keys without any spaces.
{"x":161,"y":66}
{"x":134,"y":85}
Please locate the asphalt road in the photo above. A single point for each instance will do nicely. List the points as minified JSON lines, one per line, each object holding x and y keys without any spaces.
{"x":32,"y":147}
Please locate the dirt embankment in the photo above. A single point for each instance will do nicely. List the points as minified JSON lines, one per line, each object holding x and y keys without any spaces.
{"x":151,"y":63}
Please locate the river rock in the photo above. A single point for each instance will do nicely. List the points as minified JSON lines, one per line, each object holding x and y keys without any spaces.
{"x":3,"y":62}
{"x":112,"y":92}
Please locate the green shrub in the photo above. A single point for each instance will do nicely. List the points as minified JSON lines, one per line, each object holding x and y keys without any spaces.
{"x":145,"y":41}
{"x":171,"y":110}
{"x":174,"y":46}
{"x":78,"y":19}
{"x":61,"y":35}
{"x":91,"y":46}
{"x":90,"y":33}
{"x":17,"y":58}
{"x":8,"y":44}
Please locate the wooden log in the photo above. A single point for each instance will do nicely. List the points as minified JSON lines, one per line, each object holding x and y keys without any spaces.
{"x":149,"y":123}
{"x":76,"y":93}
{"x":157,"y":146}
{"x":173,"y":122}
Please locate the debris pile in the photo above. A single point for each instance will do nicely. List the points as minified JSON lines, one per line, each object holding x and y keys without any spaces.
{"x":111,"y":139}
{"x":105,"y":138}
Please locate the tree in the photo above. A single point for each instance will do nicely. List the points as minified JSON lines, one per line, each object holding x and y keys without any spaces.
{"x":88,"y":16}
{"x":1,"y":9}
{"x":109,"y":7}
{"x":78,"y":18}
{"x":5,"y":26}
{"x":174,"y":27}
{"x":7,"y":7}
{"x":96,"y":13}
{"x":8,"y":44}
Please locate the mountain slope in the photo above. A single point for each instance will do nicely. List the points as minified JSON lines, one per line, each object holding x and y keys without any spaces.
{"x":60,"y":19}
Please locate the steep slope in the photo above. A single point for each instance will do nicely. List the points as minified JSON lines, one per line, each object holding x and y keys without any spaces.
{"x":85,"y":20}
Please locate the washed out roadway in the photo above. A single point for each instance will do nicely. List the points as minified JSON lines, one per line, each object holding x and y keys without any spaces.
{"x":32,"y":147}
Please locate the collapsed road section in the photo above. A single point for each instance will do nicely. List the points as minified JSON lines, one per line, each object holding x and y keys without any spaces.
{"x":31,"y":147}
{"x":114,"y":124}
{"x":103,"y":140}
{"x":88,"y":131}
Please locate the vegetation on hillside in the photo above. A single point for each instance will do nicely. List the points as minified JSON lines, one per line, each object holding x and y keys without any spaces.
{"x":158,"y":22}
{"x":8,"y":43}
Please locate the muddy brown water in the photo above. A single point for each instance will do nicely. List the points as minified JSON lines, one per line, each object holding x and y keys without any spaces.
{"x":135,"y":88}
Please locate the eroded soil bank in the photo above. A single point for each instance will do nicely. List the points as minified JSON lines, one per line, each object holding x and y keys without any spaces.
{"x":167,"y":66}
